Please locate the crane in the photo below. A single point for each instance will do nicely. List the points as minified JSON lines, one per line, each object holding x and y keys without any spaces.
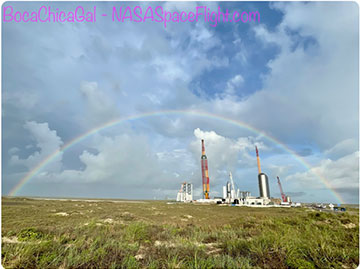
{"x":281,"y":191}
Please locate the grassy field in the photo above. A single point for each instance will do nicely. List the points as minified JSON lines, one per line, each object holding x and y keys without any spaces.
{"x":155,"y":234}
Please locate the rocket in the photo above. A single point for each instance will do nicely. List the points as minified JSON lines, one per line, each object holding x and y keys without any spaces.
{"x":258,"y":159}
{"x":204,"y":172}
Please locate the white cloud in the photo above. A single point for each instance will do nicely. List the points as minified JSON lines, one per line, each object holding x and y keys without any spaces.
{"x":234,"y":84}
{"x":342,"y":173}
{"x":125,"y":159}
{"x":47,"y":141}
{"x":279,"y":37}
{"x":124,"y":162}
{"x":311,"y":91}
{"x":342,"y":148}
{"x":100,"y":107}
{"x":13,"y":150}
{"x":22,"y":99}
{"x":224,"y":154}
{"x":242,"y":52}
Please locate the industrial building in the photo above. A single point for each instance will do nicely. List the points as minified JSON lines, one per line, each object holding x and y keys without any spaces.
{"x":185,"y":193}
{"x":231,"y":194}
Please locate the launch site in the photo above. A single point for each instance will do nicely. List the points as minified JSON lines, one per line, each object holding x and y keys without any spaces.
{"x":180,"y":135}
{"x":237,"y":230}
{"x":233,"y":196}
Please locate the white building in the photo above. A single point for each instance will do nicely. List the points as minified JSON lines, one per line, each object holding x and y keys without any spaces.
{"x":185,"y":193}
{"x":254,"y":201}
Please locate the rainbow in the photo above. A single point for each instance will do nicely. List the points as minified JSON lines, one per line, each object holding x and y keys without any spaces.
{"x":196,"y":113}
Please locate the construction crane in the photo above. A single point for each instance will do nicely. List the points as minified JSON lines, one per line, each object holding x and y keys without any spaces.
{"x":281,"y":191}
{"x":204,"y":172}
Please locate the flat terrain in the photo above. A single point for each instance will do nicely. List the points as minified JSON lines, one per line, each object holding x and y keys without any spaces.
{"x":155,"y":234}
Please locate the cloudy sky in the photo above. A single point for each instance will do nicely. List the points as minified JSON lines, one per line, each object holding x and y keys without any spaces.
{"x":293,"y":76}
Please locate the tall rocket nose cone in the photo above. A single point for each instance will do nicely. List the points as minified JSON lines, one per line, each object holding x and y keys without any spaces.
{"x":257,"y":152}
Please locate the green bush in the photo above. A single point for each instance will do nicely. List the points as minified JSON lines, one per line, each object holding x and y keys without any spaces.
{"x":30,"y":234}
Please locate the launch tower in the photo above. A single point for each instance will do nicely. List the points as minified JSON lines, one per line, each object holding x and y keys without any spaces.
{"x":204,"y":172}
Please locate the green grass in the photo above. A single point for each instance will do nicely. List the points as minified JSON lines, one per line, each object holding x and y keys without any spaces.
{"x":154,"y":234}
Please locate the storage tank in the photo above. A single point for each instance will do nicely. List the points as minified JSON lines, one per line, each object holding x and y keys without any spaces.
{"x":232,"y":194}
{"x":264,"y":186}
{"x":228,"y":189}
